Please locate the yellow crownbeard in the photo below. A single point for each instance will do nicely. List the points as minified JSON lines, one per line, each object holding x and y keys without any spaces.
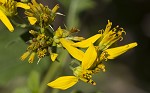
{"x":92,"y":60}
{"x":80,"y":72}
{"x":83,"y":72}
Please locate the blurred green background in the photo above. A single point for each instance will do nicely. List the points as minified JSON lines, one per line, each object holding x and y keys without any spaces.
{"x":129,"y":73}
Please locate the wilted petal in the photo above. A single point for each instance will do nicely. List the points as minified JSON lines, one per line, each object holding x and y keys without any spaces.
{"x":89,"y":57}
{"x":22,"y":5}
{"x":75,"y":52}
{"x":114,"y":52}
{"x":63,"y":82}
{"x":6,"y":21}
{"x":87,"y":42}
{"x":32,"y":20}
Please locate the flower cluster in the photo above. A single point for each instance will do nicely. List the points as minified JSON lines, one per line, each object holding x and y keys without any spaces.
{"x":44,"y":40}
{"x":91,"y":53}
{"x":92,"y":60}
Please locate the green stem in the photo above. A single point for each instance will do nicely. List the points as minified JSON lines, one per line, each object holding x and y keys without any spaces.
{"x":53,"y":70}
{"x":72,"y":19}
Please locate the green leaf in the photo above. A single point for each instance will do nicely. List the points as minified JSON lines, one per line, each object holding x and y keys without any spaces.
{"x":34,"y":81}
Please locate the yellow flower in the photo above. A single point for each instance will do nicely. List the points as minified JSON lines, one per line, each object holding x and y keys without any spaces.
{"x":105,"y":39}
{"x":91,"y":63}
{"x":102,"y":43}
{"x":41,"y":14}
{"x":9,"y":8}
{"x":80,"y":72}
{"x":110,"y":36}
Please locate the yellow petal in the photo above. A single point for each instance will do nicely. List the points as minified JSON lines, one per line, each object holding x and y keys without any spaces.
{"x":6,"y":21}
{"x":53,"y":56}
{"x":87,"y":42}
{"x":32,"y":20}
{"x":89,"y":57}
{"x":75,"y":52}
{"x":114,"y":52}
{"x":25,"y":55}
{"x":31,"y":58}
{"x":55,"y":8}
{"x":3,"y":1}
{"x":22,"y":5}
{"x":63,"y":82}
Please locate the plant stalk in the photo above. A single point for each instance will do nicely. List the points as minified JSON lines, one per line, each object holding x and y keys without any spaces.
{"x":53,"y":70}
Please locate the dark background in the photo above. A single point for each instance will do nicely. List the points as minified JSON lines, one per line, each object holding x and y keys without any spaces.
{"x":128,"y":73}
